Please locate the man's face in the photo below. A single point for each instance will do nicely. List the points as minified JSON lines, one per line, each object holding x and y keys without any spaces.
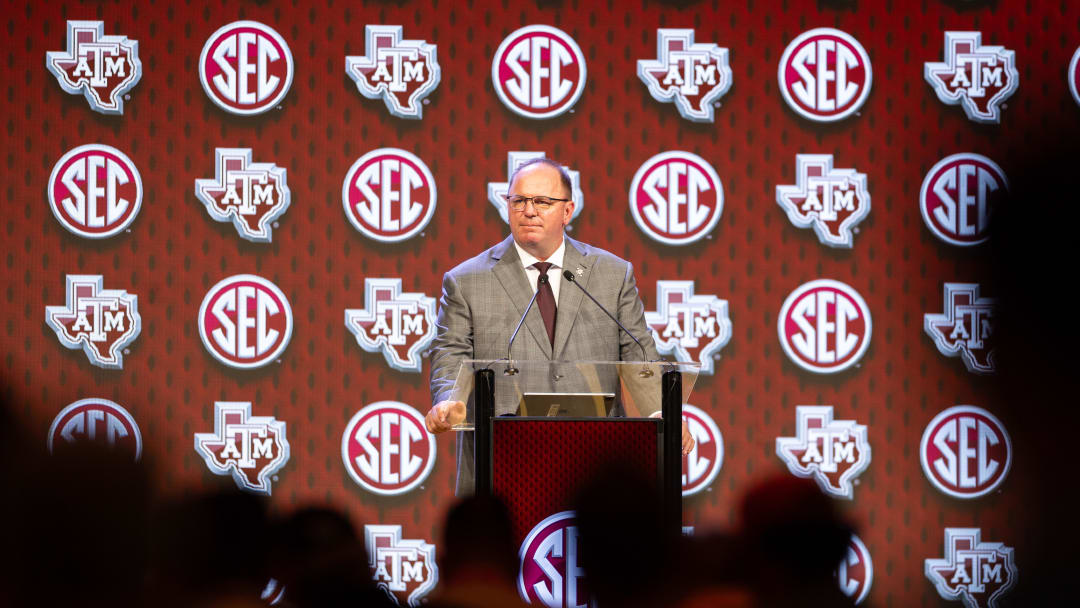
{"x":539,"y":232}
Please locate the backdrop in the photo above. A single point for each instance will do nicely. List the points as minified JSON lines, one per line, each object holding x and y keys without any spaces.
{"x":347,"y":168}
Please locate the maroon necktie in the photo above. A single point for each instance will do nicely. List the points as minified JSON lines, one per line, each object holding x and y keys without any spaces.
{"x":545,"y":300}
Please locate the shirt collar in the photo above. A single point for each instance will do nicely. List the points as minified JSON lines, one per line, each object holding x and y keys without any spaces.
{"x":528,"y":259}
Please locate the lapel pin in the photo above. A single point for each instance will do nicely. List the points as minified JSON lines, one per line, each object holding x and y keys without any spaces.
{"x":580,"y":271}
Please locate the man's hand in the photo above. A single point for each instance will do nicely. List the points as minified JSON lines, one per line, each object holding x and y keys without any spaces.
{"x":688,"y":442}
{"x":445,"y":414}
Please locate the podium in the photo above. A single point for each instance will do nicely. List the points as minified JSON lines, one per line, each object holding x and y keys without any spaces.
{"x":541,"y":429}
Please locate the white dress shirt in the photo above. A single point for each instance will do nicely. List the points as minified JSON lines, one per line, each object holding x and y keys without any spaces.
{"x":554,"y":273}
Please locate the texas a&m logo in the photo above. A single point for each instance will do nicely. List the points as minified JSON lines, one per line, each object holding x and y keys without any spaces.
{"x":957,"y":195}
{"x":976,"y":572}
{"x":102,"y":68}
{"x":250,"y":448}
{"x":691,"y":326}
{"x":550,"y":574}
{"x":250,"y":195}
{"x":245,"y":321}
{"x":389,"y":195}
{"x":95,"y":191}
{"x":96,"y":421}
{"x":701,"y":465}
{"x":498,"y":190}
{"x":538,"y":71}
{"x":246,"y":68}
{"x":694,"y":75}
{"x":404,"y":569}
{"x":1074,"y":75}
{"x":401,"y":325}
{"x":965,"y":328}
{"x":401,"y":72}
{"x":676,"y":198}
{"x":386,"y":448}
{"x":825,"y":75}
{"x":855,"y":573}
{"x":965,"y":452}
{"x":824,"y":326}
{"x":832,"y":452}
{"x":832,"y":201}
{"x":102,"y":322}
{"x":978,"y":78}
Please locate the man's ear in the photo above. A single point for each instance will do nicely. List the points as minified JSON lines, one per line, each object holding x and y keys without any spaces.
{"x":568,"y":213}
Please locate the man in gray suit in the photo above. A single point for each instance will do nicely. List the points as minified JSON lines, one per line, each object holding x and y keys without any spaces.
{"x":484,"y":297}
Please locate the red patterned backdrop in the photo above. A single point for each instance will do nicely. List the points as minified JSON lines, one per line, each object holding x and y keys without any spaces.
{"x":173,"y":252}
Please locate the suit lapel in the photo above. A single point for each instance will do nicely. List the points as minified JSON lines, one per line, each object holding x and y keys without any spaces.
{"x":570,"y":297}
{"x":510,"y":274}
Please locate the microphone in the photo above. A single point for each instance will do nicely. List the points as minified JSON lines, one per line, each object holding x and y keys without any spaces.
{"x":645,"y":372}
{"x":510,"y":369}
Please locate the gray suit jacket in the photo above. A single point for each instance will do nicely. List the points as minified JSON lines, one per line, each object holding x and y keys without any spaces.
{"x":484,"y":297}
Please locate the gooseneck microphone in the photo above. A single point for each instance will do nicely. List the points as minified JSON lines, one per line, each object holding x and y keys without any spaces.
{"x":510,"y":369}
{"x":645,"y":372}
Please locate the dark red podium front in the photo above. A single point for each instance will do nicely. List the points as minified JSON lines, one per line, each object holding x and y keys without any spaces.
{"x":538,"y":464}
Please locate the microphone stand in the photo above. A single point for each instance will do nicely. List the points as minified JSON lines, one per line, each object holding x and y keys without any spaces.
{"x":510,"y":369}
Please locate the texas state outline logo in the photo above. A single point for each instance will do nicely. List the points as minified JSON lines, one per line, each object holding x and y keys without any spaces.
{"x":831,"y":201}
{"x":250,"y":195}
{"x":692,"y":75}
{"x":831,"y":452}
{"x":400,"y":325}
{"x":965,"y":327}
{"x":102,"y":322}
{"x":976,"y":77}
{"x":974,"y":571}
{"x":693,"y":327}
{"x":102,"y":68}
{"x":251,"y":449}
{"x":400,"y":72}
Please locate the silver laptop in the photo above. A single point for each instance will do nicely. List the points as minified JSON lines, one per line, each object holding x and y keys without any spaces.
{"x":572,"y":405}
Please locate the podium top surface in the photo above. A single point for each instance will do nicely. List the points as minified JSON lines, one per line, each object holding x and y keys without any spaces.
{"x":637,"y":385}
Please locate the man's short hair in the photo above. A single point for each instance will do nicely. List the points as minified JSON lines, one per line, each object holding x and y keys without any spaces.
{"x":564,"y":176}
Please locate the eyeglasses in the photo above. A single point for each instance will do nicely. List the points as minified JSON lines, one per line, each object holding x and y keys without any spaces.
{"x":540,"y":203}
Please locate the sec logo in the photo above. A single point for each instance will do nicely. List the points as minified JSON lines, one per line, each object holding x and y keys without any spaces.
{"x":95,"y":191}
{"x":246,"y":68}
{"x":538,"y":72}
{"x":956,"y":198}
{"x":95,"y":420}
{"x":702,"y":464}
{"x":245,"y":321}
{"x":389,"y":195}
{"x":855,"y":573}
{"x":550,"y":574}
{"x":825,"y":75}
{"x":1074,"y":75}
{"x":965,"y":452}
{"x":676,"y":198}
{"x":386,"y":448}
{"x":824,"y":326}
